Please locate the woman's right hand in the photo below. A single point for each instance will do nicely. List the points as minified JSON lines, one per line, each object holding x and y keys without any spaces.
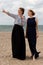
{"x":4,"y":11}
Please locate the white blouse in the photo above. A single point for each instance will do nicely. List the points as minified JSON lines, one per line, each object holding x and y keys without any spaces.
{"x":18,"y":19}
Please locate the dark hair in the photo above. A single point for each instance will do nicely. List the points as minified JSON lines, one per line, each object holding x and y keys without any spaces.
{"x":33,"y":13}
{"x":22,"y":9}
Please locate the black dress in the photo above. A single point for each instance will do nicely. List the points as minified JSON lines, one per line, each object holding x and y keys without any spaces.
{"x":31,"y":34}
{"x":18,"y":42}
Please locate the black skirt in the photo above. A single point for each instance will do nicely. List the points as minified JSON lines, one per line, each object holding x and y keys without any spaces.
{"x":18,"y":42}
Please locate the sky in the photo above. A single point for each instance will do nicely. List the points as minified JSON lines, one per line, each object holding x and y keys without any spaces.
{"x":13,"y":5}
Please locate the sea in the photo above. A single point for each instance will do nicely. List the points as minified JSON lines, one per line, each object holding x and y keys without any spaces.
{"x":8,"y":28}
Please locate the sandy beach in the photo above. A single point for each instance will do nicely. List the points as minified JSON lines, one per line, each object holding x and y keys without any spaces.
{"x":6,"y":52}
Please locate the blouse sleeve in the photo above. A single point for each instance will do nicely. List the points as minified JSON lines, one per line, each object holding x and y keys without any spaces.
{"x":12,"y":15}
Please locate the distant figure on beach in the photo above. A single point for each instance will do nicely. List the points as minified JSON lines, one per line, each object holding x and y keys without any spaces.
{"x":18,"y":39}
{"x":32,"y":33}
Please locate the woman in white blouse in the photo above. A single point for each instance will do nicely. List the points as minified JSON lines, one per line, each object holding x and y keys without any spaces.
{"x":18,"y":39}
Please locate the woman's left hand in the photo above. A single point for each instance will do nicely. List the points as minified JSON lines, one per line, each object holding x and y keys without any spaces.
{"x":37,"y":34}
{"x":22,"y":17}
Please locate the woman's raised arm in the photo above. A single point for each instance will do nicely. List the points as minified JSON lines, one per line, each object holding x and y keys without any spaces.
{"x":10,"y":14}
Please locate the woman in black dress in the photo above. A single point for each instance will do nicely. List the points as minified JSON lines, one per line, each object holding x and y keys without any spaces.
{"x":32,"y":33}
{"x":18,"y":39}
